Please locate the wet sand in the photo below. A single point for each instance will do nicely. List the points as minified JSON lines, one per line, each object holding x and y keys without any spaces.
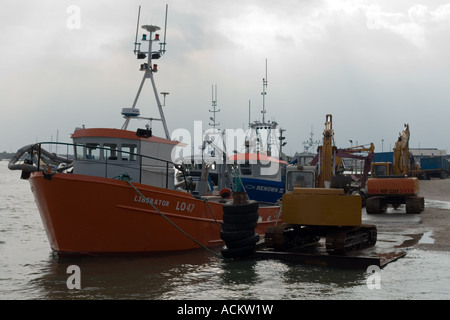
{"x":428,"y":230}
{"x":436,"y":220}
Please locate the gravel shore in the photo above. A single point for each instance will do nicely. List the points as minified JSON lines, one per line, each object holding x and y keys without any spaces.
{"x":434,"y":218}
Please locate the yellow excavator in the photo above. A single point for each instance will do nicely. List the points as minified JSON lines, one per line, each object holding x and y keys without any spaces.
{"x":312,"y":208}
{"x":395,"y":183}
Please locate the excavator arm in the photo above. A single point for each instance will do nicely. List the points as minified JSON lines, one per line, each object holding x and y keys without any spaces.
{"x":401,"y":153}
{"x":356,"y":152}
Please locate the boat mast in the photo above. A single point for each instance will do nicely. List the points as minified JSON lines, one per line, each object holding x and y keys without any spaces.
{"x":214,"y":110}
{"x":270,"y":126}
{"x":264,"y":96}
{"x":149,"y":69}
{"x":256,"y":127}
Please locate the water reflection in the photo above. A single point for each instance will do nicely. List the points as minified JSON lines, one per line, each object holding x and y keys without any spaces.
{"x":240,"y":272}
{"x":313,"y":282}
{"x":119,"y":277}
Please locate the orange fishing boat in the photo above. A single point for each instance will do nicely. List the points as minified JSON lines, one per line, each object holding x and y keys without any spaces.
{"x":114,"y":192}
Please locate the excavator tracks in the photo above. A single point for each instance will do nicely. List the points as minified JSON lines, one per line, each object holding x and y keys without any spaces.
{"x":285,"y":237}
{"x":339,"y":240}
{"x":346,"y":239}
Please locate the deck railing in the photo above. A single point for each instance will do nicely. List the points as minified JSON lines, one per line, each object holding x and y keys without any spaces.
{"x":41,"y":155}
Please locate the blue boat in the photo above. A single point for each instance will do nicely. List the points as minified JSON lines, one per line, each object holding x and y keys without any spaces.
{"x":262,"y":176}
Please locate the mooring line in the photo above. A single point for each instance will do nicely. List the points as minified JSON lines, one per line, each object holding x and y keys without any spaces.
{"x":212,"y":214}
{"x":168,"y":220}
{"x":279,"y":214}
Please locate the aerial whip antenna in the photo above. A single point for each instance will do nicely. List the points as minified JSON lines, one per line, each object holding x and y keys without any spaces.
{"x":163,"y":45}
{"x":214,"y":124}
{"x":137,"y":46}
{"x":263,"y":93}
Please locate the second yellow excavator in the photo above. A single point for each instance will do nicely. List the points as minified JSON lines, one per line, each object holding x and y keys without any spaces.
{"x":395,"y":183}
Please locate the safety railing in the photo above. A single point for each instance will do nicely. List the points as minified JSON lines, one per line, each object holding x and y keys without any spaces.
{"x":40,"y":156}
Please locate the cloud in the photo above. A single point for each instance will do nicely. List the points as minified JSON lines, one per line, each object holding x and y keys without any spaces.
{"x":373,"y":64}
{"x":411,"y":25}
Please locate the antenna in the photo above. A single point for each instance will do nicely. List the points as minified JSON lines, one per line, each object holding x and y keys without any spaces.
{"x":214,"y":105}
{"x":264,"y":95}
{"x":164,"y":94}
{"x":137,"y":46}
{"x":249,"y":121}
{"x":266,"y":71}
{"x":163,"y":45}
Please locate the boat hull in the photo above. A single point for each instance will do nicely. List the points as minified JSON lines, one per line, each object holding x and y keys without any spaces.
{"x":262,"y":190}
{"x":94,"y":215}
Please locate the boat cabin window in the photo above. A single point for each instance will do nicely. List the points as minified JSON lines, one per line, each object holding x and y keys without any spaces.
{"x":78,"y":149}
{"x":300,"y":179}
{"x":110,"y":151}
{"x":93,"y":151}
{"x":379,"y":170}
{"x":129,"y":152}
{"x":246,"y":168}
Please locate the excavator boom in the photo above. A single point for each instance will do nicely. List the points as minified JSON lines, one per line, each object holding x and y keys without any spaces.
{"x":401,"y":153}
{"x":327,"y":153}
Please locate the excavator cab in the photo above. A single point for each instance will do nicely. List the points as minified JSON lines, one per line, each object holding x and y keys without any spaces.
{"x":381,"y":169}
{"x":300,"y":177}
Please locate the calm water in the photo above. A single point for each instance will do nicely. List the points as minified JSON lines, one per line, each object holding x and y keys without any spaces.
{"x":29,"y":271}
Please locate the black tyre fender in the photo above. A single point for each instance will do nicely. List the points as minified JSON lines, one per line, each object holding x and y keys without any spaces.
{"x":250,"y":206}
{"x":236,"y":235}
{"x":229,"y":253}
{"x":243,"y":242}
{"x":239,"y":226}
{"x":240,"y":218}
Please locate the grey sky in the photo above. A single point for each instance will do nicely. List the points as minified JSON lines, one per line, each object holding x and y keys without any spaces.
{"x":374,"y":65}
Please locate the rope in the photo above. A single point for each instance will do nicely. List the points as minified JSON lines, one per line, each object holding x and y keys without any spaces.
{"x":127,"y":178}
{"x":212,"y":214}
{"x":279,"y":214}
{"x":238,"y":185}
